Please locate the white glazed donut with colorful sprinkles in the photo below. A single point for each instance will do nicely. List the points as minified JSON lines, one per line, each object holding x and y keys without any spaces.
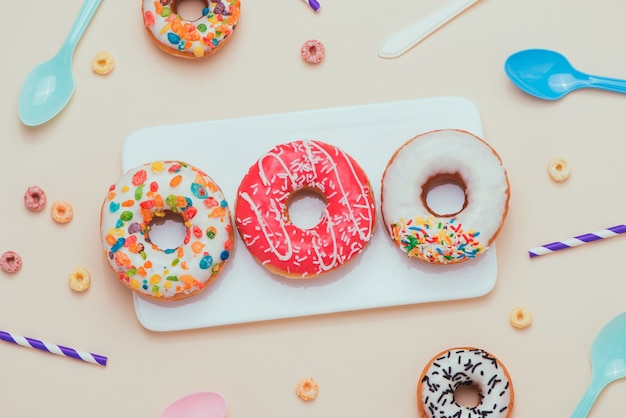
{"x":190,"y":39}
{"x":262,"y":218}
{"x":465,"y":366}
{"x":159,"y":189}
{"x":436,"y":158}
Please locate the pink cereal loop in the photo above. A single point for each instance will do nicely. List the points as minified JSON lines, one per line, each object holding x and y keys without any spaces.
{"x":35,"y":198}
{"x":313,"y":51}
{"x":10,"y":262}
{"x":148,"y":18}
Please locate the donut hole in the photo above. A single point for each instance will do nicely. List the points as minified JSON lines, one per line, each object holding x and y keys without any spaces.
{"x":444,"y":195}
{"x":190,"y":10}
{"x":167,"y":231}
{"x":306,"y":208}
{"x":467,"y":395}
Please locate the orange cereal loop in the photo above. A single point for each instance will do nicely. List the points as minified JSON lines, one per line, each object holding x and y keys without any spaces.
{"x":62,"y":211}
{"x":80,"y":279}
{"x":307,"y":389}
{"x":102,"y":63}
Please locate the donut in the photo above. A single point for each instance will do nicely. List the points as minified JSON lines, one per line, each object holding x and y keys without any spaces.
{"x":190,"y":39}
{"x":438,"y":158}
{"x":154,"y":191}
{"x":465,"y":366}
{"x":261,"y":209}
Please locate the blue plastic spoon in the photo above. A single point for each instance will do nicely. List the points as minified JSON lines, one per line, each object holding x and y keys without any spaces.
{"x":608,"y":362}
{"x":50,"y":85}
{"x":548,"y":75}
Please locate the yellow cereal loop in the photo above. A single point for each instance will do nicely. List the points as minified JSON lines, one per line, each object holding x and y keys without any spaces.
{"x":80,"y":279}
{"x":157,"y":167}
{"x":558,"y":169}
{"x":102,"y":63}
{"x":520,"y":317}
{"x":198,"y":51}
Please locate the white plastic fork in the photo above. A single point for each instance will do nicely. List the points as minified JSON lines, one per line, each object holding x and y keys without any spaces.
{"x":406,"y":38}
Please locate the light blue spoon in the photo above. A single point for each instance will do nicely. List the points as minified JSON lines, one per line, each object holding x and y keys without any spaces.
{"x":548,"y":75}
{"x":50,"y":85}
{"x":608,"y":362}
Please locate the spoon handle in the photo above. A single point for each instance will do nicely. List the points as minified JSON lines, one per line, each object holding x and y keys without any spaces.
{"x":85,"y":14}
{"x":411,"y":35}
{"x":586,"y":402}
{"x":606,"y":83}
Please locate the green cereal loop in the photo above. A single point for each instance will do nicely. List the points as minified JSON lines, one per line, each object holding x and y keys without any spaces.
{"x":139,"y":192}
{"x":126,"y":215}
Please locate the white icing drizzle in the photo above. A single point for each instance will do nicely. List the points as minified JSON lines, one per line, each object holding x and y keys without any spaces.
{"x":347,"y":223}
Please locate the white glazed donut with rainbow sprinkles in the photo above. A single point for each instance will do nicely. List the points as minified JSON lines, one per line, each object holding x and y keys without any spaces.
{"x":190,"y":39}
{"x":156,"y":190}
{"x":438,"y":158}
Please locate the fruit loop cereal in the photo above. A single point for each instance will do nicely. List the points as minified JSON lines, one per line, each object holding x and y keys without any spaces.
{"x":313,"y":51}
{"x":62,"y":211}
{"x":35,"y":198}
{"x":102,"y":63}
{"x":520,"y":317}
{"x":558,"y":169}
{"x":307,"y":389}
{"x":80,"y":279}
{"x":10,"y":262}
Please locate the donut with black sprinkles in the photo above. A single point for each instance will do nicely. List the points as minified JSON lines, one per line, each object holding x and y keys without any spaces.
{"x":465,"y":366}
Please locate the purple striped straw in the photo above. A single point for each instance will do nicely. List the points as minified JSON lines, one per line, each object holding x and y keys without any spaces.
{"x":313,"y":4}
{"x":53,"y":348}
{"x":576,"y":241}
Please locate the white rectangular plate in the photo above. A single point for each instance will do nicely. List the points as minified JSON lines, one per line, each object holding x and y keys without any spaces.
{"x":380,"y":276}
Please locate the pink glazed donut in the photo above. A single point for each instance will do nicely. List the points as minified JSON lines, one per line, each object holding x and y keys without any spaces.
{"x":262,"y":218}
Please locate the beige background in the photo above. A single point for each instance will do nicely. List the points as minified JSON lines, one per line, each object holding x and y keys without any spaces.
{"x":367,"y":362}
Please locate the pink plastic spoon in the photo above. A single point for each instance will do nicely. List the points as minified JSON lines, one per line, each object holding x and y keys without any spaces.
{"x":197,"y":405}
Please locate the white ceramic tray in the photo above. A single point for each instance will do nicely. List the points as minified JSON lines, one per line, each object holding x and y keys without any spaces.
{"x":381,"y":275}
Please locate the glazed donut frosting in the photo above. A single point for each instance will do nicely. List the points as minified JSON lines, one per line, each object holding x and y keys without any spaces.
{"x":457,"y":367}
{"x":445,"y":156}
{"x":153,"y":191}
{"x":196,"y":38}
{"x":261,"y":211}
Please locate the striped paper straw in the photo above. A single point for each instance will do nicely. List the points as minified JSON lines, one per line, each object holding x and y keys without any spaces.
{"x":313,"y":4}
{"x":576,"y":241}
{"x":53,"y":348}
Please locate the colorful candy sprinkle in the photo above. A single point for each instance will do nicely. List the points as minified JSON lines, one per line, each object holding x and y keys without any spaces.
{"x":433,"y":240}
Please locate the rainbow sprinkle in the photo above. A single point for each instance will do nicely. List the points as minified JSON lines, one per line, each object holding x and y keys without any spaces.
{"x":436,"y":241}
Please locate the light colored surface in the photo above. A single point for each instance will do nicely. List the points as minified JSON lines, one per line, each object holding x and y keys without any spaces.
{"x":244,"y":283}
{"x":367,"y":362}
